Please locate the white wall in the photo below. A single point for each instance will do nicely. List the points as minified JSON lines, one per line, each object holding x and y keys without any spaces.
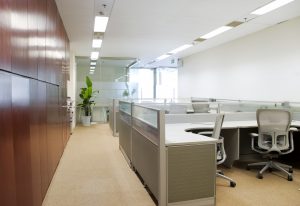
{"x":71,"y":86}
{"x":261,"y":66}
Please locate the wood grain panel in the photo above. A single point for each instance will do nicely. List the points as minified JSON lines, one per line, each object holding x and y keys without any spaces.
{"x":42,"y":23}
{"x":32,"y":31}
{"x":35,"y":144}
{"x":21,"y":133}
{"x":5,"y":49}
{"x":33,"y":123}
{"x":7,"y":168}
{"x":54,"y":132}
{"x":50,"y":41}
{"x":19,"y":39}
{"x":42,"y":111}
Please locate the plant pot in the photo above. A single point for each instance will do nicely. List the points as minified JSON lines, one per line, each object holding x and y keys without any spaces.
{"x":86,"y":120}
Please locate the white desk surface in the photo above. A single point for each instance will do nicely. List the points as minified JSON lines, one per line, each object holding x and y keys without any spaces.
{"x":176,"y":133}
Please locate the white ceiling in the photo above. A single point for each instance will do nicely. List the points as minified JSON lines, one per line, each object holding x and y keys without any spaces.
{"x":146,"y":29}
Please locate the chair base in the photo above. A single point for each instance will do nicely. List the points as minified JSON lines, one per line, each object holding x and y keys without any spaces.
{"x":221,"y":174}
{"x":287,"y":169}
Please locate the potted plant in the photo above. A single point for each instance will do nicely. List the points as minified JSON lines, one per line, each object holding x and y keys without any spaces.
{"x":87,"y":95}
{"x":126,"y":93}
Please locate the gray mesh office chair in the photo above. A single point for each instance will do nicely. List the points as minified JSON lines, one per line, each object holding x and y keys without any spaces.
{"x":274,"y":138}
{"x":221,"y":155}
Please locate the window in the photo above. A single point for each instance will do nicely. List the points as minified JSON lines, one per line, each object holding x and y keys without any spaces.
{"x":145,"y":80}
{"x":166,"y":83}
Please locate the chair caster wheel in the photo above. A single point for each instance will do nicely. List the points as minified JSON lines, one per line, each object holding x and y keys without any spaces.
{"x":290,"y":170}
{"x":259,"y":176}
{"x":221,"y":173}
{"x":290,"y":178}
{"x":232,"y":184}
{"x":248,"y":168}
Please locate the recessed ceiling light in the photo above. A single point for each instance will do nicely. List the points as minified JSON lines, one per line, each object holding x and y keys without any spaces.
{"x":162,"y":57}
{"x":271,"y":6}
{"x":94,"y":55}
{"x":92,"y":67}
{"x":97,"y":43}
{"x":93,"y":63}
{"x":181,"y":48}
{"x":216,"y":32}
{"x":100,"y":23}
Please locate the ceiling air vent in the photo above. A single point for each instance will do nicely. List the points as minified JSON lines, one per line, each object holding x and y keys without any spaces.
{"x":234,"y":23}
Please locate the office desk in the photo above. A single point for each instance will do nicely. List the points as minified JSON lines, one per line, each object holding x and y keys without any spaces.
{"x":237,"y":141}
{"x":191,"y":166}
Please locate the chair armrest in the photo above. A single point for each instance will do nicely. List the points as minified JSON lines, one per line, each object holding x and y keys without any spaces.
{"x":253,"y":134}
{"x":293,"y":129}
{"x":207,"y":133}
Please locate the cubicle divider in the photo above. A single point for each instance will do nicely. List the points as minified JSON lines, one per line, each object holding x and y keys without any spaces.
{"x":179,"y":174}
{"x":114,"y":117}
{"x":110,"y":116}
{"x":176,"y":174}
{"x":124,"y":128}
{"x":148,"y":149}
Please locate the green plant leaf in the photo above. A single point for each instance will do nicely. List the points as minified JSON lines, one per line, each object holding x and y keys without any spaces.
{"x":88,"y":82}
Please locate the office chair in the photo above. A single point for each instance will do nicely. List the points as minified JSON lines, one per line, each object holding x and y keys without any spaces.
{"x":221,"y":155}
{"x":274,"y":138}
{"x":200,"y":105}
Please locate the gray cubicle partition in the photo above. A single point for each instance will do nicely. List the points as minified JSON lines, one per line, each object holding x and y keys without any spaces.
{"x":114,"y":117}
{"x":148,"y":149}
{"x":125,"y":124}
{"x":180,"y":174}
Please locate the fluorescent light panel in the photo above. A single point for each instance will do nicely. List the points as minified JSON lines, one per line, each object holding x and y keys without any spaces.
{"x":94,"y":55}
{"x":97,"y":43}
{"x":164,"y":56}
{"x":93,"y":63}
{"x":271,"y":6}
{"x":181,"y":48}
{"x":100,"y":23}
{"x":216,"y":32}
{"x":92,"y":67}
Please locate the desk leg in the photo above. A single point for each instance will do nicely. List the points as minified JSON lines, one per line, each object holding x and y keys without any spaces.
{"x":231,"y":145}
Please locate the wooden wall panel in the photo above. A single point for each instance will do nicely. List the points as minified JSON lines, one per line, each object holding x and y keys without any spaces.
{"x":54,"y":132}
{"x":21,"y":134}
{"x":35,"y":144}
{"x":33,"y":122}
{"x":32,"y":16}
{"x":7,"y":168}
{"x":42,"y":111}
{"x":19,"y":38}
{"x":42,"y":24}
{"x":5,"y":48}
{"x":50,"y":41}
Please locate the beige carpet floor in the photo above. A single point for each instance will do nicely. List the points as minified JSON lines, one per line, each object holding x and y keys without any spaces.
{"x":93,"y":172}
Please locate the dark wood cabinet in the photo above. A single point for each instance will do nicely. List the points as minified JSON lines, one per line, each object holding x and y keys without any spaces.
{"x":41,"y":33}
{"x":5,"y":35}
{"x":42,"y":111}
{"x":21,"y":138}
{"x":34,"y":55}
{"x":7,"y":166}
{"x":19,"y":37}
{"x":35,"y":139}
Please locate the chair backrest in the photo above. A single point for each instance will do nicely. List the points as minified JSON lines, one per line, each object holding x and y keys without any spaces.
{"x":218,"y":126}
{"x":273,"y":128}
{"x":177,"y":108}
{"x":200,"y":107}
